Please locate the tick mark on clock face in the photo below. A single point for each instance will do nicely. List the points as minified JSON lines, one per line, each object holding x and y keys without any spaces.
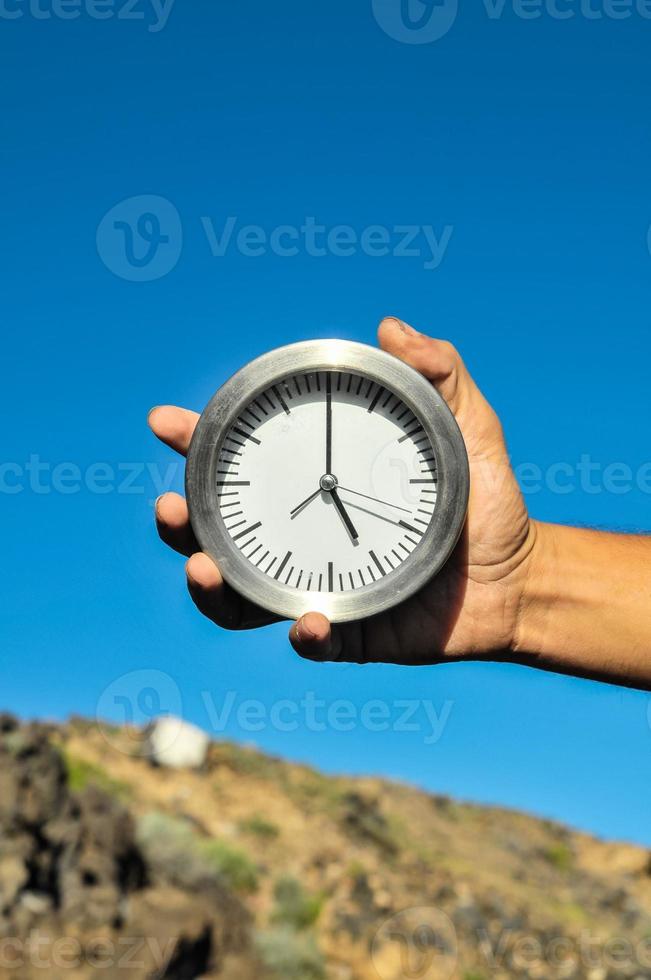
{"x":247,"y":530}
{"x":245,"y":435}
{"x":321,"y":469}
{"x":410,"y":527}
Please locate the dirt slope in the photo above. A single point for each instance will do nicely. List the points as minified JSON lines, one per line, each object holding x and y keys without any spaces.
{"x":253,"y":867}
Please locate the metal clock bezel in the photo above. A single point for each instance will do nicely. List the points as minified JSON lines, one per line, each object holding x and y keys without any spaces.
{"x":416,"y":392}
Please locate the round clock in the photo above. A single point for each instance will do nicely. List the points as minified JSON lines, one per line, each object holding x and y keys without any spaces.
{"x":327,"y":476}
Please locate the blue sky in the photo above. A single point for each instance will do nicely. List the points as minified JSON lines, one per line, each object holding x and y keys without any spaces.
{"x":521,"y":146}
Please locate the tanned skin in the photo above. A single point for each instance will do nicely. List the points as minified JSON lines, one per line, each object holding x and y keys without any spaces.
{"x":558,"y":598}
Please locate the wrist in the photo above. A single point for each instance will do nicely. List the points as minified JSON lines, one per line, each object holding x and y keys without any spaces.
{"x":539,"y":591}
{"x":584,"y":604}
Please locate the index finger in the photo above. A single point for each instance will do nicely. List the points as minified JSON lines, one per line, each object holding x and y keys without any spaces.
{"x":173,"y":426}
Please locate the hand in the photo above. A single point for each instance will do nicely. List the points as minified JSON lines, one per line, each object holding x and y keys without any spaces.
{"x":469,"y":611}
{"x":343,"y":513}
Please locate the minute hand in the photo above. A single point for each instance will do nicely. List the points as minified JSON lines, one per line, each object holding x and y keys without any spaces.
{"x":344,"y":515}
{"x":328,"y":464}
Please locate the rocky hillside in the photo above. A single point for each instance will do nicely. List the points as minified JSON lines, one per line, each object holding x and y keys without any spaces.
{"x":249,"y":867}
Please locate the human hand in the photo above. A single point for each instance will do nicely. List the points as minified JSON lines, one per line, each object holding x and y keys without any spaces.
{"x":470,"y":610}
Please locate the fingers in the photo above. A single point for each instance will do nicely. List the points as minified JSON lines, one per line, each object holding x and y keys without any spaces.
{"x":210,"y":593}
{"x":173,"y":426}
{"x":173,"y":524}
{"x":208,"y":590}
{"x":215,"y":599}
{"x":212,"y":596}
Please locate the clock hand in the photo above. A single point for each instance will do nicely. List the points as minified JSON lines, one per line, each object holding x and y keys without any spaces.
{"x":328,"y":464}
{"x":305,"y":502}
{"x":376,"y":499}
{"x":344,"y":514}
{"x":389,"y":520}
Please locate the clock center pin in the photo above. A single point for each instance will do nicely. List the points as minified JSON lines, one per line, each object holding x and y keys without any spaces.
{"x":328,"y":482}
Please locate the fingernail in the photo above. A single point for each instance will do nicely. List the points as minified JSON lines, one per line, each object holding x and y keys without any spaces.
{"x":303,"y":633}
{"x":391,"y":319}
{"x":188,"y":572}
{"x":401,"y":325}
{"x":149,"y":413}
{"x":160,"y":497}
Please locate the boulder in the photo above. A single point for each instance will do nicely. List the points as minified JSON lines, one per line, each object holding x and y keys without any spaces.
{"x":176,"y":744}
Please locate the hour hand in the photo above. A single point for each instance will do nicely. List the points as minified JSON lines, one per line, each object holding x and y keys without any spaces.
{"x":344,"y":514}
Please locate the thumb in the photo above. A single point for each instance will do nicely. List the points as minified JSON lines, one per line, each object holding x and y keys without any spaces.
{"x":440,"y":362}
{"x":312,"y":638}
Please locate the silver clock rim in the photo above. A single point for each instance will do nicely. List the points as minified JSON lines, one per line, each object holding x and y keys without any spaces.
{"x":434,"y":548}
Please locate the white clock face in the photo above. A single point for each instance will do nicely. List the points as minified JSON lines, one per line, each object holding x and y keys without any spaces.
{"x":326,"y":482}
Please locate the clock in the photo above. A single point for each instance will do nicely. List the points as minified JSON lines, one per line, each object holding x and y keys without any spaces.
{"x":327,"y":476}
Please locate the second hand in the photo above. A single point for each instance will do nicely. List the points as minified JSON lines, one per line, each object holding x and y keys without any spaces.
{"x":376,"y":500}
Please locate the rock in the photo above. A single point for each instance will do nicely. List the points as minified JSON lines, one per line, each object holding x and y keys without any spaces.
{"x":363,"y":818}
{"x":13,"y":877}
{"x":8,"y":723}
{"x":75,"y":883}
{"x":176,"y":744}
{"x":185,"y":937}
{"x":32,"y":779}
{"x":36,"y":902}
{"x":99,"y":860}
{"x":178,"y":931}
